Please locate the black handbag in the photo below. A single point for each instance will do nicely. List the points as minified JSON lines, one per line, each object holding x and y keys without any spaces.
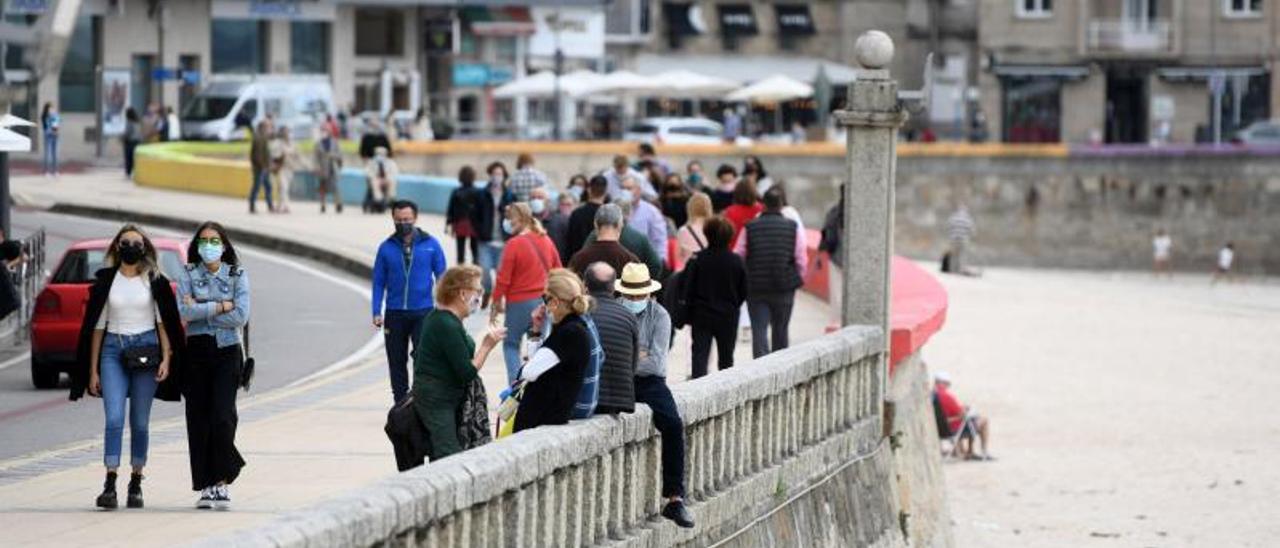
{"x":141,"y":357}
{"x":246,"y":362}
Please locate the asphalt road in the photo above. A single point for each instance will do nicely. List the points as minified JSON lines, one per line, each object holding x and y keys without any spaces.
{"x":305,"y":317}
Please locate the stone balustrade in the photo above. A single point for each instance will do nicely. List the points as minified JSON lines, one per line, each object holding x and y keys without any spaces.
{"x":757,"y":435}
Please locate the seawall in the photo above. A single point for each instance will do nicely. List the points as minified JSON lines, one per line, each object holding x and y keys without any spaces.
{"x":795,"y":448}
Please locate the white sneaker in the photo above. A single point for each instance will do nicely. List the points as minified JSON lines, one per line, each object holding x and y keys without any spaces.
{"x":206,"y":499}
{"x":221,"y":498}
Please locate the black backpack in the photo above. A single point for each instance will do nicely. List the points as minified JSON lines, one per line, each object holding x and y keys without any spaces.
{"x":676,"y":296}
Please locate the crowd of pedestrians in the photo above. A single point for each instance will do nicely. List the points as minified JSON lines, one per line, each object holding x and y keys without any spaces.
{"x":585,"y":286}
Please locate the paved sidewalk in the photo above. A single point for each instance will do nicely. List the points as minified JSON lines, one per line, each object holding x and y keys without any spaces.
{"x":304,"y":443}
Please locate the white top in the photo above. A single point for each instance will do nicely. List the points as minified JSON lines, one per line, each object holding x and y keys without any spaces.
{"x":541,"y":362}
{"x":1162,"y":245}
{"x":1225,"y":257}
{"x":130,"y":310}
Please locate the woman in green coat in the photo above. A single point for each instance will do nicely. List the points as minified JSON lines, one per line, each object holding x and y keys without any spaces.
{"x":446,"y":360}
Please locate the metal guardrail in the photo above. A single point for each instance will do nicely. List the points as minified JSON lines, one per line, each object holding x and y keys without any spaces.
{"x":29,"y":277}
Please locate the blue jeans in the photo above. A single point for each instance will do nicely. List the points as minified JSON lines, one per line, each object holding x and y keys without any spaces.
{"x":400,"y":331}
{"x":518,"y":320}
{"x":489,"y":258}
{"x":50,"y":152}
{"x":261,"y":180}
{"x":118,"y":384}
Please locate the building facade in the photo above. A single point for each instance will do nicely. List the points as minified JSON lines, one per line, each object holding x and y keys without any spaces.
{"x":1126,"y":71}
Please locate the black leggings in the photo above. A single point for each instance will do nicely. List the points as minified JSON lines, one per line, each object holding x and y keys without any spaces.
{"x":726,"y":337}
{"x":461,"y":241}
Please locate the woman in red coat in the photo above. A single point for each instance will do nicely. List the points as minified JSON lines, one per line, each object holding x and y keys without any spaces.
{"x":522,"y":277}
{"x":746,"y":206}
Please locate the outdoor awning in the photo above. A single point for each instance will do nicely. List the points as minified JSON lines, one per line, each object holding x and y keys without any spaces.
{"x":1204,"y":73}
{"x":683,"y":19}
{"x":794,"y":20}
{"x":1067,"y":72}
{"x":737,"y":20}
{"x":498,"y":21}
{"x":746,"y":68}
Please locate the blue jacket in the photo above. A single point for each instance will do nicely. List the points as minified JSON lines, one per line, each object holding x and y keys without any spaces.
{"x":206,"y":290}
{"x":407,"y":288}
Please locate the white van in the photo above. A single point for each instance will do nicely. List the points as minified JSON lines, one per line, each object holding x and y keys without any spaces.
{"x":222,"y":109}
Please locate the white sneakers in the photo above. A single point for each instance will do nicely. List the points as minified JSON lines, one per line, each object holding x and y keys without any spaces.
{"x":215,"y":497}
{"x":206,"y":499}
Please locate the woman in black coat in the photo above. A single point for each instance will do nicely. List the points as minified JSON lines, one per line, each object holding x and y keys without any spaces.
{"x":717,"y":287}
{"x":554,"y":373}
{"x":131,"y":348}
{"x":458,"y":217}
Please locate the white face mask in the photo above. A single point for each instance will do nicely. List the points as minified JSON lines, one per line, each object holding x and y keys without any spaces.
{"x":495,"y":179}
{"x":473,"y":304}
{"x":537,"y":206}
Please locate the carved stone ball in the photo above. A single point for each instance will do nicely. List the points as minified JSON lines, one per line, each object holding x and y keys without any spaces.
{"x":874,"y":49}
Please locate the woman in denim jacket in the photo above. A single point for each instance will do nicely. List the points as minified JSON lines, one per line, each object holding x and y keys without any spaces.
{"x":214,"y":301}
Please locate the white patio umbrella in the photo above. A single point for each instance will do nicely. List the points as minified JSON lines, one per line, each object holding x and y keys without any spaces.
{"x":686,"y":83}
{"x":772,"y":89}
{"x":624,"y":82}
{"x":542,"y":85}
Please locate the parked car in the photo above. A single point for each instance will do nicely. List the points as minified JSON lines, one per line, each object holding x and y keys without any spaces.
{"x":675,"y":131}
{"x":1265,"y":132}
{"x":60,"y":307}
{"x":229,"y":103}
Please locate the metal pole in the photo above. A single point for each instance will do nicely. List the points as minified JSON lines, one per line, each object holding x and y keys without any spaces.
{"x":555,"y":94}
{"x":97,"y":109}
{"x":4,"y":193}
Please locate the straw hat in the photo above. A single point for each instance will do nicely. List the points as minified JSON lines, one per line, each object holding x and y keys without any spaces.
{"x":635,"y":280}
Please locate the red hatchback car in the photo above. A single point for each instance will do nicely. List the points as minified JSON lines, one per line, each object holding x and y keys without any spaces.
{"x":59,"y":310}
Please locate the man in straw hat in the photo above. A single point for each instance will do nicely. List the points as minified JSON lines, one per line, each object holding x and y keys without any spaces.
{"x":636,"y":288}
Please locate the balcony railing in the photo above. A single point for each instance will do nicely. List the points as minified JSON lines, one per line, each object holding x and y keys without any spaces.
{"x":1131,"y":36}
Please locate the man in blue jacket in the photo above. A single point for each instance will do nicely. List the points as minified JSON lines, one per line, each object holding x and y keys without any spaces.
{"x":404,"y":274}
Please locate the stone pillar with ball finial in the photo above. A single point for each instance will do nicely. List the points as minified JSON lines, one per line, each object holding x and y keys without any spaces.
{"x":871,"y":119}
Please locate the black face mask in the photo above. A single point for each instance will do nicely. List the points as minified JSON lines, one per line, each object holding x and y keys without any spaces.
{"x":404,"y":229}
{"x":130,"y":254}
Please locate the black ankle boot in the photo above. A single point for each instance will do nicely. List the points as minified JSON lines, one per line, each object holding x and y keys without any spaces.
{"x":135,"y":491}
{"x":108,"y":497}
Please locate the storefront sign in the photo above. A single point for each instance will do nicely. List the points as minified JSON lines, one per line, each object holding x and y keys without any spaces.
{"x":293,"y":10}
{"x":476,"y":75}
{"x":578,"y":31}
{"x":470,"y":75}
{"x":437,"y":36}
{"x":26,"y":7}
{"x":115,"y":99}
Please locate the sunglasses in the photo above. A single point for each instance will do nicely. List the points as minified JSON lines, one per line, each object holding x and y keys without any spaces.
{"x":132,"y":243}
{"x":209,"y":241}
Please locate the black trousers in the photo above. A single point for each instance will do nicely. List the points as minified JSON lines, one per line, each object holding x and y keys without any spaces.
{"x":129,"y":148}
{"x":770,"y":321}
{"x":213,"y":376}
{"x":653,"y":391}
{"x":462,"y":249}
{"x":726,"y":337}
{"x":400,"y":331}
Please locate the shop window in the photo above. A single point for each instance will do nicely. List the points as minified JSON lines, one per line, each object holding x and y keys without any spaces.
{"x":1032,"y":110}
{"x":379,"y":32}
{"x":76,"y":82}
{"x":1242,"y":8}
{"x":309,"y":47}
{"x":1034,"y":9}
{"x":239,"y":46}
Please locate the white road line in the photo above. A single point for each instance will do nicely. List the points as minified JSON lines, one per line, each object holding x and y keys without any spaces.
{"x":15,"y":360}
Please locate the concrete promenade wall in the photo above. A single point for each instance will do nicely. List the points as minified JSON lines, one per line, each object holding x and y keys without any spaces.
{"x":793,"y":449}
{"x":758,"y":435}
